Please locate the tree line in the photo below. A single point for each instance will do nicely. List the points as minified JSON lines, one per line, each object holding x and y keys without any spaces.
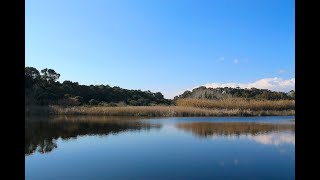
{"x":43,"y":88}
{"x":203,"y":92}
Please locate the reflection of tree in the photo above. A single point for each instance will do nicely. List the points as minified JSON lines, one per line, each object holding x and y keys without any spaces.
{"x":205,"y":129}
{"x":46,"y":146}
{"x":41,"y":134}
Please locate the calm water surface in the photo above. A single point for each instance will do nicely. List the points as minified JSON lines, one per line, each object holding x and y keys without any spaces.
{"x":159,"y":148}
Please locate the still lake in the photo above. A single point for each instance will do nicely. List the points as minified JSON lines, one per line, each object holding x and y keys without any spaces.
{"x":86,"y":147}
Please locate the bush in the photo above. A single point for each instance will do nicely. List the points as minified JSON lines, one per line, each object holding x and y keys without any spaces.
{"x":93,"y":102}
{"x":69,"y":101}
{"x":112,"y":105}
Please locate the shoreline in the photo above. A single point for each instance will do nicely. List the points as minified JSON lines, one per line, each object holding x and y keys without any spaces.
{"x":151,"y":111}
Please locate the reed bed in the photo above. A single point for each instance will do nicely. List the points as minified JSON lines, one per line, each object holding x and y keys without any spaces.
{"x":242,"y":104}
{"x":159,"y":111}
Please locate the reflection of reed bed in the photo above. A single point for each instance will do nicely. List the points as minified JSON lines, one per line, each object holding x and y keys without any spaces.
{"x":163,"y":111}
{"x":41,"y":133}
{"x":97,"y":119}
{"x":237,"y":103}
{"x":204,"y":129}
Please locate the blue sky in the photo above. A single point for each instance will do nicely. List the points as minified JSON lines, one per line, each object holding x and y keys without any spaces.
{"x":162,"y":45}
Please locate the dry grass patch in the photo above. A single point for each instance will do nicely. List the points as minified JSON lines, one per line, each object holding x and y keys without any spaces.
{"x":163,"y":111}
{"x":241,"y":104}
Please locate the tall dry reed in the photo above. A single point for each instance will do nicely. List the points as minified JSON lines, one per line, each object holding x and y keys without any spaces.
{"x":241,"y":104}
{"x":162,"y":111}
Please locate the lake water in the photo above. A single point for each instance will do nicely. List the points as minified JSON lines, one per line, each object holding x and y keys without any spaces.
{"x":159,"y":148}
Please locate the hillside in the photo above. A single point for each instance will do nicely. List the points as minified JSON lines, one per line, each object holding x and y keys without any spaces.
{"x":43,"y":88}
{"x":227,"y":92}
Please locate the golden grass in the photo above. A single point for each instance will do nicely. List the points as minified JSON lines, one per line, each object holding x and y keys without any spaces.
{"x":156,"y":111}
{"x":242,"y":104}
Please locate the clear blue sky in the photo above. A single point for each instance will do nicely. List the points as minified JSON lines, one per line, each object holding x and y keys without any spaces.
{"x":161,"y":45}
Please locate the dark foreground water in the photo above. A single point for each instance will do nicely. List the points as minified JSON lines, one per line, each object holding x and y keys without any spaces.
{"x":163,"y":148}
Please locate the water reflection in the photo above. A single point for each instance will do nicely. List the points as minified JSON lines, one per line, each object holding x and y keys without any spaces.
{"x":274,"y":138}
{"x":264,"y":133}
{"x":41,"y":133}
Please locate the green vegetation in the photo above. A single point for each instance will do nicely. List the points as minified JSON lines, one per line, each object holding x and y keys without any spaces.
{"x":44,"y":94}
{"x":42,"y":88}
{"x":228,"y":92}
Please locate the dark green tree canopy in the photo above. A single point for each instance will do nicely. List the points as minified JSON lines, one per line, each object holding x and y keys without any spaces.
{"x":227,"y":92}
{"x":49,"y":75}
{"x":32,"y":72}
{"x":44,"y":88}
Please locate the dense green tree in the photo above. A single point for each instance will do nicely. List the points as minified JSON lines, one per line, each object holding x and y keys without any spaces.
{"x":292,"y":94}
{"x":32,"y":72}
{"x":49,"y":75}
{"x":32,"y":75}
{"x":227,"y":92}
{"x":44,"y":88}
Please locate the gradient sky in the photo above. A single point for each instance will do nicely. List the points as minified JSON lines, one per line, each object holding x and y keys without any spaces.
{"x":161,"y":45}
